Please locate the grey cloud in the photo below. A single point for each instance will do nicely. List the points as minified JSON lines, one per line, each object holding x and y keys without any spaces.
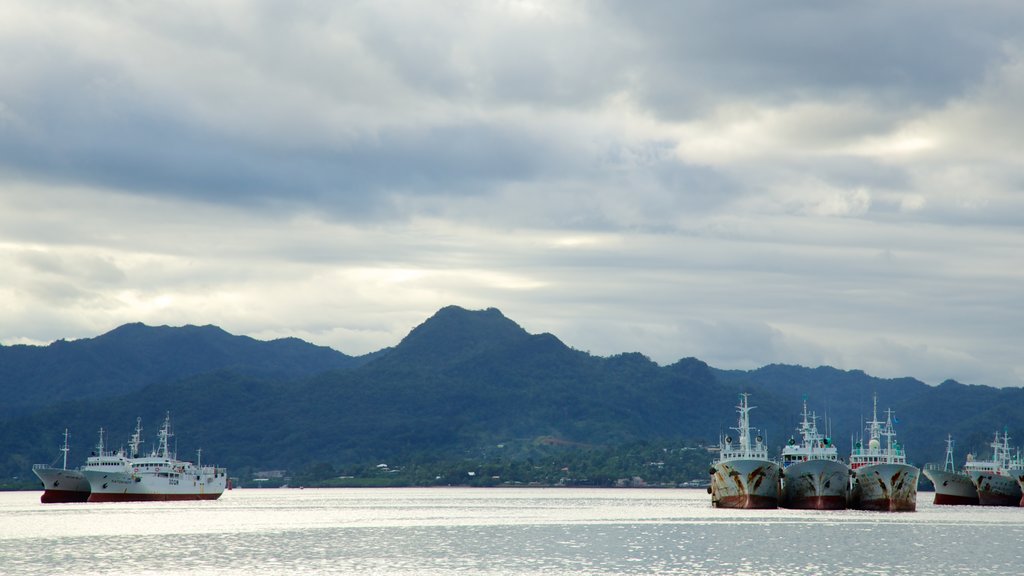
{"x":149,"y":155}
{"x":99,"y":118}
{"x":102,"y":118}
{"x":726,"y":180}
{"x":697,"y":53}
{"x":89,"y":267}
{"x":484,"y":55}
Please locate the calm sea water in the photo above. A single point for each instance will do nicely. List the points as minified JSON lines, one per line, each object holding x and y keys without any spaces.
{"x":496,"y":531}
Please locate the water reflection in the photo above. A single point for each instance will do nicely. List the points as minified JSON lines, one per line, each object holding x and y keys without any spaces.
{"x":495,"y":531}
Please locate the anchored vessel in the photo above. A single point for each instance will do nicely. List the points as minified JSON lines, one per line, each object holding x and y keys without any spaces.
{"x":881,"y":478}
{"x":812,"y":475}
{"x":158,"y":476}
{"x":743,"y":476}
{"x":996,"y":479}
{"x":66,"y":485}
{"x":62,"y":484}
{"x":952,"y":486}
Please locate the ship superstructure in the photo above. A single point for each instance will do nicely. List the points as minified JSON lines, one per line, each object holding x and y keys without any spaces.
{"x":743,"y":476}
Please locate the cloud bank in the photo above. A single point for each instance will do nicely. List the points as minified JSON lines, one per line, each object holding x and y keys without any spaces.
{"x":743,"y":182}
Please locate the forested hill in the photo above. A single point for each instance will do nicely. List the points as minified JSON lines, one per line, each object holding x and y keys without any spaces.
{"x":459,"y":385}
{"x":135,"y":355}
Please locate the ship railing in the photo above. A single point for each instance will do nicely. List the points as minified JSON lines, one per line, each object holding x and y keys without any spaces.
{"x":40,"y":466}
{"x":744,"y":454}
{"x":877,"y":452}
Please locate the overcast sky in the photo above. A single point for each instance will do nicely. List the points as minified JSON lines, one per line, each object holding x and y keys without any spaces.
{"x":798,"y":182}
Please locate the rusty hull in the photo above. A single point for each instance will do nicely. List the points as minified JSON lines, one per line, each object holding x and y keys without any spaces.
{"x":996,"y":490}
{"x":745,"y":484}
{"x":885,"y":488}
{"x":815,"y":485}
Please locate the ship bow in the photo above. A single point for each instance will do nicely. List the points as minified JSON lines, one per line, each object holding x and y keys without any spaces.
{"x":745,"y":484}
{"x":815,"y":485}
{"x":885,"y":487}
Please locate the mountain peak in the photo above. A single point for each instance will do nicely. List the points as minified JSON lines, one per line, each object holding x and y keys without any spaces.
{"x":454,"y":333}
{"x":137,"y":329}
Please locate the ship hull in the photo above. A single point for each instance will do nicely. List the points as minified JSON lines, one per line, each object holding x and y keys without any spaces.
{"x":149,"y":497}
{"x":122,"y":487}
{"x":61,"y":485}
{"x":952,"y":488}
{"x":996,"y":490}
{"x":1018,"y":473}
{"x":815,"y":485}
{"x":885,"y":488}
{"x":745,"y":484}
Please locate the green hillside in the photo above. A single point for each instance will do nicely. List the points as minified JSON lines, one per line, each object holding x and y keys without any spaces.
{"x":465,"y":389}
{"x":135,"y":355}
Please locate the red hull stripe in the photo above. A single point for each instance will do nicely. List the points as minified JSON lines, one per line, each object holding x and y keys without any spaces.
{"x":61,"y":496}
{"x":950,"y":499}
{"x":816,"y":503}
{"x":94,"y":497}
{"x":997,"y":500}
{"x":748,"y":501}
{"x":887,"y":505}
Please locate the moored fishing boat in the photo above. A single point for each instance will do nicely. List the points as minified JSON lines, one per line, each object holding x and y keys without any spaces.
{"x":952,"y":486}
{"x":158,"y":476}
{"x":996,"y":479}
{"x":743,"y":476}
{"x":813,"y":478}
{"x":881,"y":478}
{"x":62,"y":484}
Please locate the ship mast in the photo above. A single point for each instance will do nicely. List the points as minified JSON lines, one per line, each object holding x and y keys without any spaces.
{"x":744,"y":424}
{"x":828,"y":427}
{"x":1006,"y":449}
{"x":948,"y":465}
{"x":165,"y":434}
{"x":805,"y":427}
{"x":136,"y":440}
{"x":99,"y":444}
{"x":889,"y":432}
{"x":874,"y":426}
{"x":65,"y":449}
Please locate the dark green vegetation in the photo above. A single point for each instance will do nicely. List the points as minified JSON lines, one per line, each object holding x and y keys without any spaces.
{"x":135,"y":355}
{"x":466,"y":391}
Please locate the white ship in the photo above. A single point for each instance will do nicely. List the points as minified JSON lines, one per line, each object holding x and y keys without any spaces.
{"x":71,"y":485}
{"x":996,"y":479}
{"x":813,"y":478}
{"x":882,"y":479}
{"x":952,"y":486}
{"x":158,"y":476}
{"x":743,"y":476}
{"x":62,"y":484}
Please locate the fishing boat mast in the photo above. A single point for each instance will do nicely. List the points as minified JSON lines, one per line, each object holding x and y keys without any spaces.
{"x":65,"y":449}
{"x":165,"y":434}
{"x":948,"y":465}
{"x":744,"y":424}
{"x":100,"y":449}
{"x":136,"y":439}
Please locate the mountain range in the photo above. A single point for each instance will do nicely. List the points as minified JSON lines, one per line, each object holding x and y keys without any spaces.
{"x":457,"y":385}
